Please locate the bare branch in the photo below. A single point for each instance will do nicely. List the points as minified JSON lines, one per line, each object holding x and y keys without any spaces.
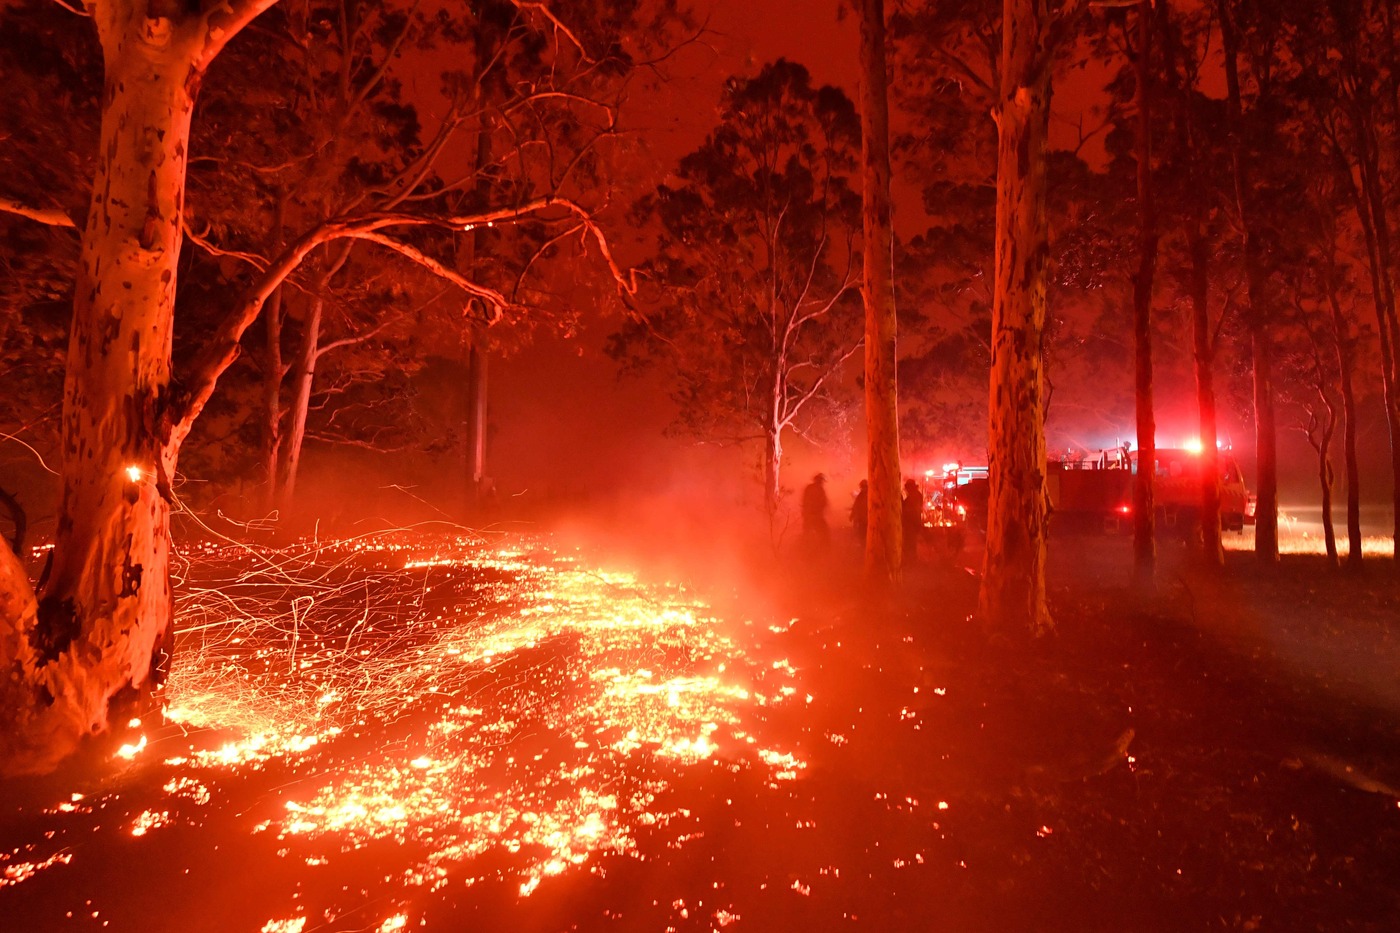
{"x":544,"y":10}
{"x":653,"y":64}
{"x":249,"y":166}
{"x":37,"y":456}
{"x":493,"y":299}
{"x":223,"y":21}
{"x":342,"y":441}
{"x":822,"y":308}
{"x":815,"y":388}
{"x":539,"y":253}
{"x":374,"y":80}
{"x":408,"y":180}
{"x":252,"y":259}
{"x":53,"y":217}
{"x":223,"y":348}
{"x":962,"y":67}
{"x":325,"y":348}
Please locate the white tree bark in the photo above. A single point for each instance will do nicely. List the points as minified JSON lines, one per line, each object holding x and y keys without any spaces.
{"x":94,"y":652}
{"x":303,"y":378}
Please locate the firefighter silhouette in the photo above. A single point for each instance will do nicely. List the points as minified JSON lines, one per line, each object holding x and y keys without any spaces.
{"x":912,"y":518}
{"x":814,"y":527}
{"x":860,"y":511}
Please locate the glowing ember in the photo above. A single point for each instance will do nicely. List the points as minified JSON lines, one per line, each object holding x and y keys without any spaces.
{"x":447,"y":698}
{"x":295,"y":925}
{"x":130,"y":750}
{"x":148,"y":821}
{"x":16,"y":872}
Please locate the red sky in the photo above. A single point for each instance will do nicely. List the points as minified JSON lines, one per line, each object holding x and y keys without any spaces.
{"x":560,"y":416}
{"x":600,"y":431}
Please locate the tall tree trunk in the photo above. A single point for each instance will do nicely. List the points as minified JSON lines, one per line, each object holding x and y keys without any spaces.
{"x":1320,"y":431}
{"x":274,"y":370}
{"x":476,"y":417}
{"x":1204,"y":351}
{"x":1012,"y":594}
{"x":1387,"y":324}
{"x":1324,"y":477}
{"x":1373,"y":187}
{"x":772,"y":468}
{"x":93,"y":650}
{"x":1265,"y":439}
{"x":98,"y":650}
{"x":303,"y":379}
{"x":304,"y":371}
{"x":1203,"y":339}
{"x":1144,"y":506}
{"x":1353,"y":471}
{"x":474,"y":450}
{"x":1382,"y":297}
{"x":883,"y":546}
{"x":1346,"y":367}
{"x":1265,"y":432}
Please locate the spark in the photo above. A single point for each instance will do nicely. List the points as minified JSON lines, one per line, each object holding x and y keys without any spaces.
{"x":493,"y":712}
{"x":130,"y":751}
{"x":294,"y":925}
{"x":450,"y":694}
{"x":149,"y":820}
{"x":22,"y":871}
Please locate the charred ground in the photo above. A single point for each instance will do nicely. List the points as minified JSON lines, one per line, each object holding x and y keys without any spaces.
{"x":1221,"y":755}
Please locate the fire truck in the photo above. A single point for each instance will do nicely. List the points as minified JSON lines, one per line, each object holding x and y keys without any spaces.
{"x":1094,"y":490}
{"x":954,"y":502}
{"x":957,"y":498}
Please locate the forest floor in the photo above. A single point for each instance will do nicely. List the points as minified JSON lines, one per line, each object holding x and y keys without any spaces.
{"x":527,"y":743}
{"x":1221,"y":754}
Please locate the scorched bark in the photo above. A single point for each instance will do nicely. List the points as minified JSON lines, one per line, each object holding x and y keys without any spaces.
{"x":92,"y":652}
{"x":1012,"y":595}
{"x":883,"y":547}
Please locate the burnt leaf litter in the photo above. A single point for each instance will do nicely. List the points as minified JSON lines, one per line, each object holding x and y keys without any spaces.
{"x":1222,"y":754}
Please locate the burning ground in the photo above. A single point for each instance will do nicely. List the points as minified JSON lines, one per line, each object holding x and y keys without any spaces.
{"x":446,"y":731}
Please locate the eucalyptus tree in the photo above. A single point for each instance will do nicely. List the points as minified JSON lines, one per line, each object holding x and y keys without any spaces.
{"x":1145,"y":82}
{"x":87,"y":651}
{"x":883,"y":544}
{"x":1250,"y":32}
{"x":1012,"y":595}
{"x":751,"y":301}
{"x":530,"y":113}
{"x":946,"y":54}
{"x":91,"y":647}
{"x":1196,"y":186}
{"x":1347,"y":91}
